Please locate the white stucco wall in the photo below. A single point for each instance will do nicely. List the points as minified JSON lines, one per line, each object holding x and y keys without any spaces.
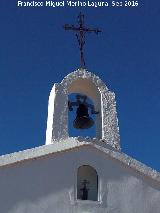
{"x":48,"y":185}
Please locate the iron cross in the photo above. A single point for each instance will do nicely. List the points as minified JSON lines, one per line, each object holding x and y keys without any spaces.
{"x":81,"y":30}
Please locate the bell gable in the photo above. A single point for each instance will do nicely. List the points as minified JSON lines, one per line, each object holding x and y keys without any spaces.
{"x":83,"y":82}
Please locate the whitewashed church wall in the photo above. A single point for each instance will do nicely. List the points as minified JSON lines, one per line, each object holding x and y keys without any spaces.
{"x":49,"y":185}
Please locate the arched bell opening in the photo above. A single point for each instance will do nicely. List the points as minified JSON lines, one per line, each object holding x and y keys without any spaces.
{"x":87,"y":183}
{"x":81,"y":116}
{"x":85,"y":88}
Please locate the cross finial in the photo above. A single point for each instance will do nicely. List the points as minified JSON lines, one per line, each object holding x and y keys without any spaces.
{"x":80,"y":34}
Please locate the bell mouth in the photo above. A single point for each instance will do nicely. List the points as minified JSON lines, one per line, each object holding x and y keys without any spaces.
{"x":83,"y":122}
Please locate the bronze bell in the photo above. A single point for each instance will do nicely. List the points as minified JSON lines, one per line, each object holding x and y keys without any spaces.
{"x":82,"y":120}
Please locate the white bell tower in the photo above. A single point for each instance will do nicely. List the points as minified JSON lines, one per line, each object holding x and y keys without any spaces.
{"x":87,"y":83}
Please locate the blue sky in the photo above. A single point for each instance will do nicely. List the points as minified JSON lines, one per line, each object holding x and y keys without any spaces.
{"x":35,"y":52}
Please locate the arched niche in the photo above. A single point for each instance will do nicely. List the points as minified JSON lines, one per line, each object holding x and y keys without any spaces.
{"x":86,"y":87}
{"x":87,"y":183}
{"x":82,"y":81}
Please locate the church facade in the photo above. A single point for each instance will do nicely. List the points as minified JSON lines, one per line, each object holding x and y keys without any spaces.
{"x":78,"y":174}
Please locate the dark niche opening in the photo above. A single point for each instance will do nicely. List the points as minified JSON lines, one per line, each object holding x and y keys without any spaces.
{"x":87,"y":183}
